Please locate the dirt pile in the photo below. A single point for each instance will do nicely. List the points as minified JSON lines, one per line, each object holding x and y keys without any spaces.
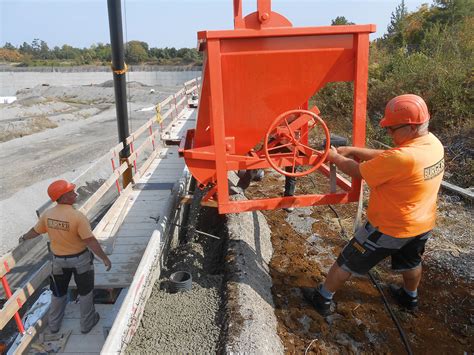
{"x":43,"y":107}
{"x":303,"y":254}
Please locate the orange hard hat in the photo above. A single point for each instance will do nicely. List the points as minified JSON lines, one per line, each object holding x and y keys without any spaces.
{"x":59,"y":188}
{"x":405,"y":109}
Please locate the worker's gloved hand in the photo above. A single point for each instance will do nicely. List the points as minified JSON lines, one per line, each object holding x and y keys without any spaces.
{"x":107,"y":264}
{"x":21,"y":239}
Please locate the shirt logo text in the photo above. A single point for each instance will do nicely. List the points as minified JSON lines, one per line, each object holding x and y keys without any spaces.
{"x":55,"y":224}
{"x":434,"y":170}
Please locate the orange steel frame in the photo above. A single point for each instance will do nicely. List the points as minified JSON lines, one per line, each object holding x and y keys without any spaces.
{"x":227,"y":130}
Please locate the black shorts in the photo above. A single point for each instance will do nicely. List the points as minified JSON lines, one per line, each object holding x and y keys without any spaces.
{"x":369,"y":247}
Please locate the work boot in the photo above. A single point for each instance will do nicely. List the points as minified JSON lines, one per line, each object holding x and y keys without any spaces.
{"x":258,"y":176}
{"x":290,"y":186}
{"x":95,"y":321}
{"x":404,"y":299}
{"x":320,"y":303}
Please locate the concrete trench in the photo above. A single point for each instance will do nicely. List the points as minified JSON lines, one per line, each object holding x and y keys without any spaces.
{"x":230,"y":307}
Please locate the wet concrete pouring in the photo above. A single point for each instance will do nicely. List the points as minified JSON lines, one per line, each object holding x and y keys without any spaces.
{"x":304,"y":245}
{"x":192,"y":321}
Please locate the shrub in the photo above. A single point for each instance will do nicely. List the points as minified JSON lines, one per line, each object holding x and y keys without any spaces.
{"x":10,"y":55}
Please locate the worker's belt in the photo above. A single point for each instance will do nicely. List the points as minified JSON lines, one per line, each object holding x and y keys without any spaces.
{"x":71,"y":255}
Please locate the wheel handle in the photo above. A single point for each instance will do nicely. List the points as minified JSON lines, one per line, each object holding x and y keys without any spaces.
{"x":283,"y":134}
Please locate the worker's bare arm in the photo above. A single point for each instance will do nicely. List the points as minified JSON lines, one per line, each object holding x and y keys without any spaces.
{"x":94,"y":245}
{"x":346,"y":165}
{"x":362,"y":154}
{"x":29,"y":235}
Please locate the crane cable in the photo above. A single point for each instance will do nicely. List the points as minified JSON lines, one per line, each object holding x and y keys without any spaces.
{"x":374,"y":281}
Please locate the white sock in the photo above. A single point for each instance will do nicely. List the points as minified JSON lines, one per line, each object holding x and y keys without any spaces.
{"x":325,"y":293}
{"x":412,"y":294}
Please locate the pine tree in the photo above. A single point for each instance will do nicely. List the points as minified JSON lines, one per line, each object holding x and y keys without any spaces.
{"x":341,"y":20}
{"x":395,"y":35}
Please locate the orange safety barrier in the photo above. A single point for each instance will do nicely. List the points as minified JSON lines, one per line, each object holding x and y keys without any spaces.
{"x":113,"y":169}
{"x":256,"y":78}
{"x":8,"y":293}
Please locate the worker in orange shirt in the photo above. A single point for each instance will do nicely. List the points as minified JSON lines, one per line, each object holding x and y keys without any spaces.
{"x":72,"y":241}
{"x":404,"y":182}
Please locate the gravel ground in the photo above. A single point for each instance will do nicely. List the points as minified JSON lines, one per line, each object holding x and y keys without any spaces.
{"x":304,"y":253}
{"x":452,"y":246}
{"x":44,"y":107}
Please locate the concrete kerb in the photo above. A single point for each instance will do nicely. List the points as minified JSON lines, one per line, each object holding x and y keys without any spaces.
{"x":149,"y":269}
{"x":251,"y":321}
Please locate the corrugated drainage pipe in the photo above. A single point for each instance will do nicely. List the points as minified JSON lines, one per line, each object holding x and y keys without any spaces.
{"x":180,"y":281}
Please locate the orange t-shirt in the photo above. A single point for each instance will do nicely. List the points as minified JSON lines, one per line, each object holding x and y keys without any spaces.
{"x":404,"y":183}
{"x":66,"y":228}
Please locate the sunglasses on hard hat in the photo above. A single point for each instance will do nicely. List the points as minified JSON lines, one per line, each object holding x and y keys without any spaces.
{"x":393,"y":129}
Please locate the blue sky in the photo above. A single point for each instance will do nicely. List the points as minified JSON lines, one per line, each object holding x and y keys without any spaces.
{"x":168,"y":23}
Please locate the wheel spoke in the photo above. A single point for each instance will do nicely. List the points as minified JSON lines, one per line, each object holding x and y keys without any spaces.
{"x":289,"y":129}
{"x":305,"y":134}
{"x":285,"y":136}
{"x":272,"y":142}
{"x":294,"y":161}
{"x":279,"y":146}
{"x":310,"y":128}
{"x":301,"y":145}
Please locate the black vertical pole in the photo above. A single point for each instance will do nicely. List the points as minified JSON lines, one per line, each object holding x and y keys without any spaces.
{"x":118,"y":67}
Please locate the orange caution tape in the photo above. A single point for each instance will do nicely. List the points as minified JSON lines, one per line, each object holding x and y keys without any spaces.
{"x":119,"y":72}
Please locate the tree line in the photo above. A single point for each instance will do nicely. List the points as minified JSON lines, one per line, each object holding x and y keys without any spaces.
{"x":428,"y":52}
{"x":38,"y":53}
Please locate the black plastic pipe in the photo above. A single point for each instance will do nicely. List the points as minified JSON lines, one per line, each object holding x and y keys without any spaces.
{"x":118,"y":68}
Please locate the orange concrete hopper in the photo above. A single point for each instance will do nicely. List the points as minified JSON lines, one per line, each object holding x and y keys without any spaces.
{"x":254,"y":78}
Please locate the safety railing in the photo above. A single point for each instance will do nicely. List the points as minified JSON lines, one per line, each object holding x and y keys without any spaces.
{"x":173,"y":106}
{"x":192,"y":86}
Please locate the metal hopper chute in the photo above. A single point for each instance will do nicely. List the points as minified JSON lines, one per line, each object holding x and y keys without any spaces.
{"x":253,"y":111}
